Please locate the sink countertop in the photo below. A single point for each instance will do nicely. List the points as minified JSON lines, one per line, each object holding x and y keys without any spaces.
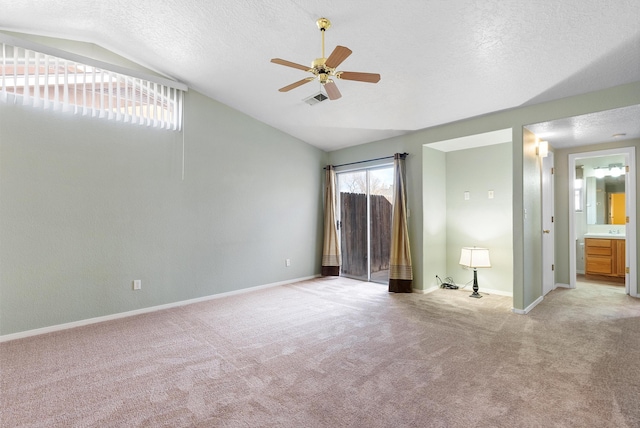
{"x":605,"y":235}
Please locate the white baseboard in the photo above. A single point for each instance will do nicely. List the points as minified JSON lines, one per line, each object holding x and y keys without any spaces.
{"x":496,"y":292}
{"x":427,"y":291}
{"x":489,"y":291}
{"x":561,"y":285}
{"x":528,"y":308}
{"x":66,"y":326}
{"x":481,"y":291}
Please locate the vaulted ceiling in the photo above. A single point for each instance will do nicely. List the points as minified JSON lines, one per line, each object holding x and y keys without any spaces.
{"x":440,"y":61}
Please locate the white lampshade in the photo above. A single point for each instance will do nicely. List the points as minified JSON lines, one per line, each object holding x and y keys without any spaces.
{"x":475,"y":257}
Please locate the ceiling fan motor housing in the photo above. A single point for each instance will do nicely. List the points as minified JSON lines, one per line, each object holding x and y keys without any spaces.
{"x":323,"y":72}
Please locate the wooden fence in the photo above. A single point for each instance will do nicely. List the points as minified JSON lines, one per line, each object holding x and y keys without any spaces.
{"x":353,"y":215}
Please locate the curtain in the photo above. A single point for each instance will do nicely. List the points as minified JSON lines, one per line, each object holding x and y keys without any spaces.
{"x":400,"y":272}
{"x":331,"y":257}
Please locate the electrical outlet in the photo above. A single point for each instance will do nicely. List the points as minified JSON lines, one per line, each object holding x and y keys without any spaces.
{"x":467,"y":196}
{"x":137,"y":284}
{"x":287,"y":262}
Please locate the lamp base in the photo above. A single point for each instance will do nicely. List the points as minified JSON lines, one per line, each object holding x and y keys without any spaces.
{"x":475,"y":293}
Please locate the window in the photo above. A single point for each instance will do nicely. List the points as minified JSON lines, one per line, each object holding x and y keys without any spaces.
{"x":365,"y":211}
{"x":87,"y":87}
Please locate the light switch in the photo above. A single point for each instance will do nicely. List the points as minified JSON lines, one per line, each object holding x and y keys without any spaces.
{"x":490,"y":193}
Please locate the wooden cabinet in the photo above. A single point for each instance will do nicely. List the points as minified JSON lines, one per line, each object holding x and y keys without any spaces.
{"x":599,"y":256}
{"x":605,"y":257}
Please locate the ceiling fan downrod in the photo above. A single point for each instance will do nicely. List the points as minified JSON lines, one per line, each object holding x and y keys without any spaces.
{"x":323,"y":24}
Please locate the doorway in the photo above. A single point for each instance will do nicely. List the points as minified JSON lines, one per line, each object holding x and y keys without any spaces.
{"x":605,"y":243}
{"x":366,"y":207}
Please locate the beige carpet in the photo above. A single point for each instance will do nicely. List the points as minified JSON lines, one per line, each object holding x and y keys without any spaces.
{"x":338,"y":353}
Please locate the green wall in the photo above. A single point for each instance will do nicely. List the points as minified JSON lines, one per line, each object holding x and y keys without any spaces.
{"x":451,"y":222}
{"x":480,"y":221}
{"x":87,"y":206}
{"x":434,"y":206}
{"x":527,"y":246}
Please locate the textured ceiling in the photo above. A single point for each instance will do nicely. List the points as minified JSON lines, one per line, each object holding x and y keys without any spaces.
{"x":440,"y":61}
{"x":610,"y":125}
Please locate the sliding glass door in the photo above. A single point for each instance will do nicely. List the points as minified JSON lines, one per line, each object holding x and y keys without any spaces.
{"x":365,"y":222}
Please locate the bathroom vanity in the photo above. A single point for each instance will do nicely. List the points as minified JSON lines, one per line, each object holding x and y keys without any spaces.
{"x":605,"y":256}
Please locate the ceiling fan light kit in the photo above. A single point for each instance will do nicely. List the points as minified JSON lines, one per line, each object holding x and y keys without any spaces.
{"x":324,"y":69}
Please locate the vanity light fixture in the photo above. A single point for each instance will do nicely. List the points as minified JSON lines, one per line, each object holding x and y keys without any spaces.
{"x":613,"y":170}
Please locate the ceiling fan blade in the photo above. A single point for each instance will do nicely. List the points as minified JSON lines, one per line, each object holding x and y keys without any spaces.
{"x":360,"y":77}
{"x":339,"y":54}
{"x":290,"y":64}
{"x":332,"y":90}
{"x":296,"y":84}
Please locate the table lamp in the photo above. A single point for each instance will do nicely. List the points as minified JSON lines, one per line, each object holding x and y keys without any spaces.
{"x":474,"y":257}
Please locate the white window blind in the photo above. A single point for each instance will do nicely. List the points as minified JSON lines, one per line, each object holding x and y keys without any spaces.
{"x":52,"y":82}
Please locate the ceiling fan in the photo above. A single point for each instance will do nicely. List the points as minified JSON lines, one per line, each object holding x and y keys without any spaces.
{"x":325,"y":68}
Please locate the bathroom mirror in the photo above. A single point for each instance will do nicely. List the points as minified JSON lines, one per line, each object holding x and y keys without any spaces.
{"x":605,"y":200}
{"x":604,"y":190}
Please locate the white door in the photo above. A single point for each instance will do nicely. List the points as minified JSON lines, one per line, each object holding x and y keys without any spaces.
{"x":548,"y":257}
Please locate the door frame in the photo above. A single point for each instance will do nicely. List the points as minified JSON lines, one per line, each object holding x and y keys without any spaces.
{"x":631,"y":287}
{"x":548,"y":225}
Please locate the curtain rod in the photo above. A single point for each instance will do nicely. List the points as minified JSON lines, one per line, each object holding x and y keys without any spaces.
{"x":368,"y":160}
